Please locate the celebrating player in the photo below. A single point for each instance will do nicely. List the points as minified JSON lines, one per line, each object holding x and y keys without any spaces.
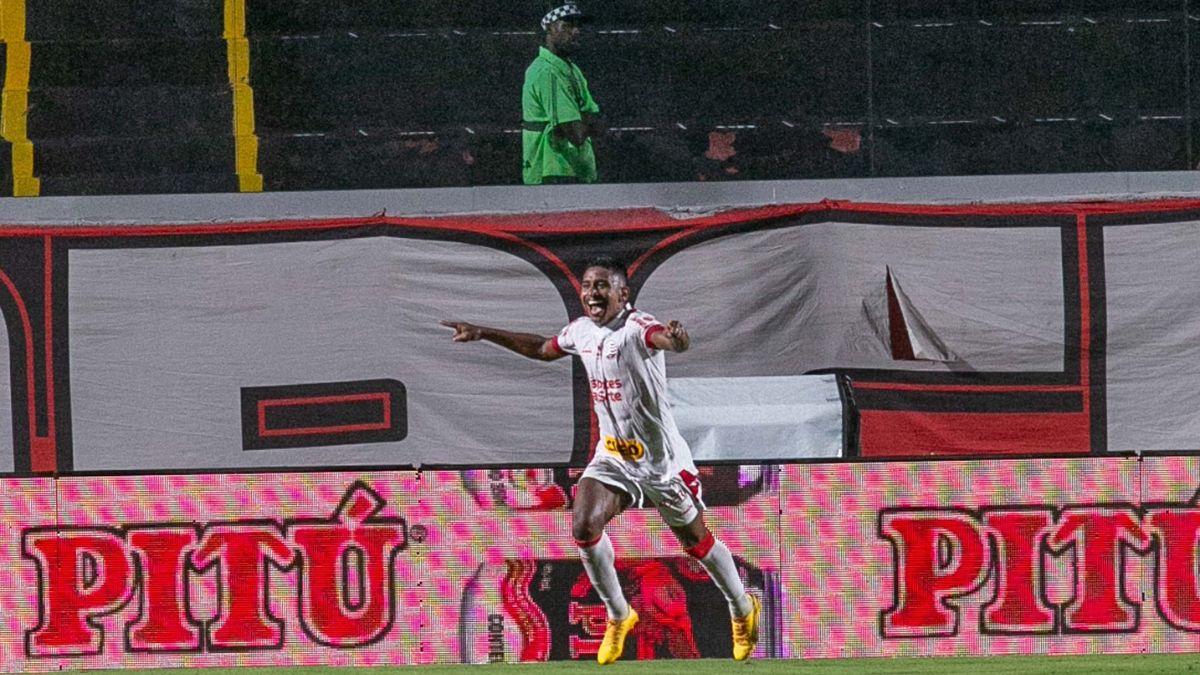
{"x":641,"y":455}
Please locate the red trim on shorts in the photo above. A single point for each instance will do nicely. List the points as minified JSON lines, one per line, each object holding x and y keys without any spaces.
{"x":700,"y":550}
{"x":651,"y":332}
{"x":692,"y":482}
{"x":589,"y":544}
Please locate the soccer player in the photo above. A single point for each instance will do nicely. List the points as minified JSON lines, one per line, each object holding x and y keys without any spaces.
{"x":640,"y":455}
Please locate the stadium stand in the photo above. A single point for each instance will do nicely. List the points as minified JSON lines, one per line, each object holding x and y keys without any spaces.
{"x":129,"y":97}
{"x":195,"y":96}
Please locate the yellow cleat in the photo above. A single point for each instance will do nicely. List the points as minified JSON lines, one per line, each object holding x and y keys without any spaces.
{"x":745,"y":632}
{"x":614,"y":638}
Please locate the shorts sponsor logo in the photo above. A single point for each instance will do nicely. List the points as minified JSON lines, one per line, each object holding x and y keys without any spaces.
{"x":631,"y":450}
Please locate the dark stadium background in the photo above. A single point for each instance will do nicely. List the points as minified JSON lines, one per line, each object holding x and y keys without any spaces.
{"x":134,"y":96}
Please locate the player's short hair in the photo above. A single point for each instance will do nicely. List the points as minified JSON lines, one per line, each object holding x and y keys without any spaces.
{"x":609,"y":263}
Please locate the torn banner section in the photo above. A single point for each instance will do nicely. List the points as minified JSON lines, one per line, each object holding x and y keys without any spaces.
{"x":911,"y":337}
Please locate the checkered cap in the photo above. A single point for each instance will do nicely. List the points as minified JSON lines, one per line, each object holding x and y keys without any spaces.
{"x":567,"y":11}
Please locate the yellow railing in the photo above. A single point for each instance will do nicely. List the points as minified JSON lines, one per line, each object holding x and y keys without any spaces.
{"x":14,"y":101}
{"x":245,"y":140}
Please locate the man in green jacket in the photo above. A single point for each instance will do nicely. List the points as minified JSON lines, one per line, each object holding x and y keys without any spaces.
{"x":559,"y":112}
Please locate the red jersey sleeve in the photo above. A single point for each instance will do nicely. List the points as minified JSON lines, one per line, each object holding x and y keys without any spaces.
{"x":647,"y":326}
{"x":650,"y":332}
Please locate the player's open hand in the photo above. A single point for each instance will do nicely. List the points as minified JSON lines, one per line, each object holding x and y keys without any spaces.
{"x":678,"y":336}
{"x":464,"y":332}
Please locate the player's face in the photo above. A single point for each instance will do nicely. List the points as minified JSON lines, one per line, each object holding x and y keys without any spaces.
{"x":603,"y":293}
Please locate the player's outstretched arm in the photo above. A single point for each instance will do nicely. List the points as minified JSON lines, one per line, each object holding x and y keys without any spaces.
{"x":673,"y":339}
{"x":526,"y":344}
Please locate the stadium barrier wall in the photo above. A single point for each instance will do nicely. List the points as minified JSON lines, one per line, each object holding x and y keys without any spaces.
{"x":1019,"y":556}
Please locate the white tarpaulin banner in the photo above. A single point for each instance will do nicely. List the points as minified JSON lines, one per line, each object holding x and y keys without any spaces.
{"x":931,"y":331}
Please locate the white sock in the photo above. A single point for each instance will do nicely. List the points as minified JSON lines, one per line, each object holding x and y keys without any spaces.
{"x":599,"y":560}
{"x":721,"y":568}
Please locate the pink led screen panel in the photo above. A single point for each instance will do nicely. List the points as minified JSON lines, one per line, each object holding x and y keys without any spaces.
{"x":1048,"y":556}
{"x":514,"y":587}
{"x":387,"y":568}
{"x":1000,"y":557}
{"x":211,"y":570}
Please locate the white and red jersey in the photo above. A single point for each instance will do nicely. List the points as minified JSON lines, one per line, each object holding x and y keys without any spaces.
{"x":628,"y":381}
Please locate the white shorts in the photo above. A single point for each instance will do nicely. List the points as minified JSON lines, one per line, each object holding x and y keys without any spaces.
{"x":677,"y":496}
